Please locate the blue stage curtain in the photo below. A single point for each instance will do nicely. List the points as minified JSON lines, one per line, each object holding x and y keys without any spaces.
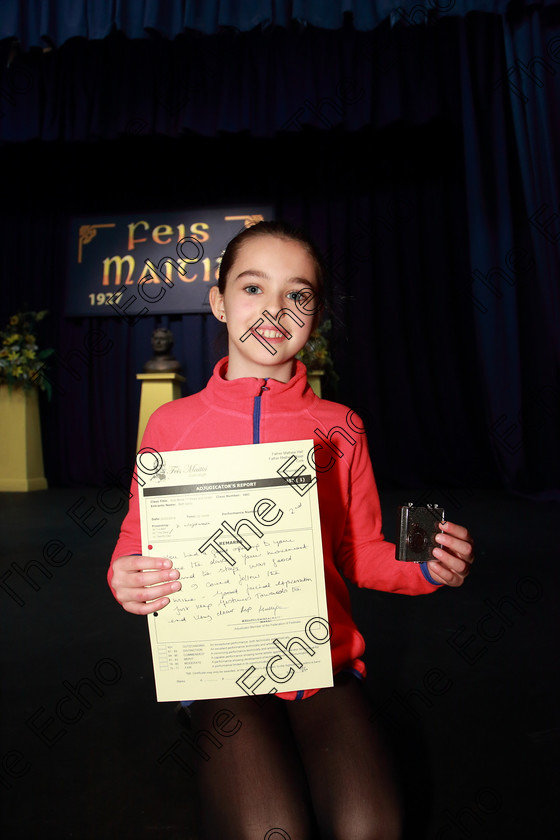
{"x":446,"y":272}
{"x":37,"y":22}
{"x":279,"y":80}
{"x":262,"y":83}
{"x":511,"y":135}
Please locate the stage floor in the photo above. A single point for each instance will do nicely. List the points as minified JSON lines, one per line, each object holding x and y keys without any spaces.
{"x":465,"y":682}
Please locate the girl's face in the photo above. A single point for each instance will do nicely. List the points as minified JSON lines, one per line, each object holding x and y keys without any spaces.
{"x":268,"y":275}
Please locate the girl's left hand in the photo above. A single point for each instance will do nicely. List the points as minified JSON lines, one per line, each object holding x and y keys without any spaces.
{"x":455,"y":556}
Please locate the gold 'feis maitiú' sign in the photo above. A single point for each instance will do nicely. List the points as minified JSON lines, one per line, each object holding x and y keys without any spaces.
{"x":87,"y":233}
{"x":161,"y":262}
{"x":249,"y":221}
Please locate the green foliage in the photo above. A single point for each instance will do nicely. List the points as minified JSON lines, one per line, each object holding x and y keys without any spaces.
{"x":21,"y":362}
{"x":316,"y":355}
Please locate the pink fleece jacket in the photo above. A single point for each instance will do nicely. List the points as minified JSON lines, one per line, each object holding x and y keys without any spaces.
{"x":249,"y":410}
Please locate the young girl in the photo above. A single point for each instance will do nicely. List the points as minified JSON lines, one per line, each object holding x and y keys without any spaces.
{"x":303,"y":764}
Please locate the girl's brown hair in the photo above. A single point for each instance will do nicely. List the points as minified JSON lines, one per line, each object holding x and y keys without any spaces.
{"x":282,"y":230}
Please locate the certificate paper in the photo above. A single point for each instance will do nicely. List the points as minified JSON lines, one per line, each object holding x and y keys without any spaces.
{"x":241,"y":523}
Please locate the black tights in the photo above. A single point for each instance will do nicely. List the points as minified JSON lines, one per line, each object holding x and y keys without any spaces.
{"x":296,"y":770}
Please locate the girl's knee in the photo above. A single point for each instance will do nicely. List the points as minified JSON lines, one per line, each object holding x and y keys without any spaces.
{"x":386,"y":826}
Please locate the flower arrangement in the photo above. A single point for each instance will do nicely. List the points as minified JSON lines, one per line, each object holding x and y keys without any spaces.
{"x":315,"y":355}
{"x":20,"y":357}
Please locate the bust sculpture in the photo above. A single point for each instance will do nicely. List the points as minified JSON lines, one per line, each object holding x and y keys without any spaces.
{"x":163,"y":361}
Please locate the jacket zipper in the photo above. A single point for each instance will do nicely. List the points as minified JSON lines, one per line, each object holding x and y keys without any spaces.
{"x":257,"y":439}
{"x":257,"y":414}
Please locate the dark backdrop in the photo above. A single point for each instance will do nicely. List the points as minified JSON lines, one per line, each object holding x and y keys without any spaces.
{"x":421,"y":158}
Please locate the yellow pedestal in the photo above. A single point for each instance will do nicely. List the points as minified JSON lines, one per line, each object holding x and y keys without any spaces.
{"x":21,"y":451}
{"x":157,"y":389}
{"x":314,"y":380}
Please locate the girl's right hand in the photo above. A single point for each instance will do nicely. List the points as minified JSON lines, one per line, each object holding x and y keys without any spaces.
{"x":140,"y":584}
